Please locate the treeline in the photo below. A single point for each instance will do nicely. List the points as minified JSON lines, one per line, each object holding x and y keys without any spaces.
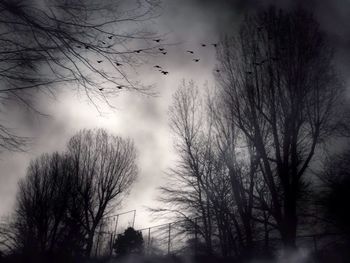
{"x":252,"y":153}
{"x":64,"y":197}
{"x":257,"y":166}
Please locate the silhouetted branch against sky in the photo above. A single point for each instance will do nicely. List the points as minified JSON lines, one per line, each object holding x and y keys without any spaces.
{"x":56,"y":55}
{"x":50,"y":42}
{"x":82,"y":45}
{"x":65,"y":197}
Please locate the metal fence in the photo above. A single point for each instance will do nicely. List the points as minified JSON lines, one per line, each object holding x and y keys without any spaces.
{"x":185,"y":237}
{"x":108,"y":230}
{"x":167,"y":238}
{"x":171,"y":238}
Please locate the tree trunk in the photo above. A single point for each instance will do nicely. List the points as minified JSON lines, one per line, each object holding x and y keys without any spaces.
{"x":89,"y":245}
{"x":289,"y":228}
{"x":90,"y":241}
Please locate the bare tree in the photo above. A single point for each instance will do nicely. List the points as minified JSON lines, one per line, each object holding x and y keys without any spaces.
{"x":104,"y":167}
{"x":65,"y":197}
{"x":242,"y":165}
{"x":199,"y":186}
{"x":277,"y":79}
{"x":216,"y":178}
{"x":43,"y":206}
{"x":186,"y":193}
{"x":90,"y":46}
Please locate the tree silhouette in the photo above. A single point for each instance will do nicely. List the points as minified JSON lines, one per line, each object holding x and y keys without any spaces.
{"x":242,"y":167}
{"x":279,"y":84}
{"x":130,"y":242}
{"x":200,"y":187}
{"x":43,"y":214}
{"x":65,"y":197}
{"x":104,"y":167}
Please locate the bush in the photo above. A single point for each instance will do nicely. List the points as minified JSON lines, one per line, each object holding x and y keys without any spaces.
{"x":131,"y":242}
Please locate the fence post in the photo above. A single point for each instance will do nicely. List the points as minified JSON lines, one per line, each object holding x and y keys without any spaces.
{"x":133,"y":221}
{"x":169,"y":238}
{"x":115,"y":227}
{"x":195,"y":236}
{"x":111,"y":245}
{"x":149,"y":240}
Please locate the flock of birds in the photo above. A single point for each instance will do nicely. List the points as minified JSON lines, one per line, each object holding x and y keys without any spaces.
{"x":162,"y":50}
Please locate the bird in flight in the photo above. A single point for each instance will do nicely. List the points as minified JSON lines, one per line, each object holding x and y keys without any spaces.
{"x":203,"y":45}
{"x":100,"y":89}
{"x":215,"y":44}
{"x":119,"y":87}
{"x":157,"y":40}
{"x":164,"y":72}
{"x":157,"y":66}
{"x":87,"y":47}
{"x":138,"y":51}
{"x":190,"y":51}
{"x":110,"y":37}
{"x":164,"y":53}
{"x":196,"y":59}
{"x":218,"y":70}
{"x":99,"y":61}
{"x":118,"y":64}
{"x":161,"y":49}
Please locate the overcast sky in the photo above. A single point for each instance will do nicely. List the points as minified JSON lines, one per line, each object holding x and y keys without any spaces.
{"x":144,"y":119}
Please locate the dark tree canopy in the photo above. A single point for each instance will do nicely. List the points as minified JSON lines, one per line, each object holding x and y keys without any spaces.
{"x":105,"y":169}
{"x":246,"y":149}
{"x":65,"y":197}
{"x":130,"y":242}
{"x":278,"y":81}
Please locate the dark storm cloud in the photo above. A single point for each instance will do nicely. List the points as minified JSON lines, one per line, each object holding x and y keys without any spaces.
{"x":332,"y":15}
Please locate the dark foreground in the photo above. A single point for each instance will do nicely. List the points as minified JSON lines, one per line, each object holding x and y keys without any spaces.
{"x":301,"y":256}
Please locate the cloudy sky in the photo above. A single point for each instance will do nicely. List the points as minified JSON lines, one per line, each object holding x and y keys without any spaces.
{"x":186,"y":24}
